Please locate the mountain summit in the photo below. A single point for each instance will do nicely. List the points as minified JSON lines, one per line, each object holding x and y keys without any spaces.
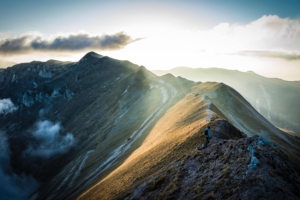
{"x":105,"y":128}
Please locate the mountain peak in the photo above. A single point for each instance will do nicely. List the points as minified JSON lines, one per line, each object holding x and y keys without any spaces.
{"x":93,"y":54}
{"x":90,"y":55}
{"x":251,"y":72}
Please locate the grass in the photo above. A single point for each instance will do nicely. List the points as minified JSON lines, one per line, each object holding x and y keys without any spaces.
{"x":203,"y":180}
{"x":155,"y":184}
{"x":260,"y":177}
{"x":217,"y":184}
{"x":226,"y":170}
{"x":209,"y":196}
{"x":271,"y":173}
{"x":170,"y":190}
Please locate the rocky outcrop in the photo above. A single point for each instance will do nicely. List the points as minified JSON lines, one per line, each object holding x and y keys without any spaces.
{"x":225,"y":170}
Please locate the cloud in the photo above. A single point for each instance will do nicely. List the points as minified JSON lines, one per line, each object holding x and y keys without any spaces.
{"x":7,"y":106}
{"x":269,"y":32}
{"x":271,"y":54}
{"x":71,"y":42}
{"x":49,"y":141}
{"x":13,"y":186}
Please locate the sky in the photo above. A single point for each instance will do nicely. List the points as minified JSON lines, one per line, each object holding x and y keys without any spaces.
{"x":258,"y":35}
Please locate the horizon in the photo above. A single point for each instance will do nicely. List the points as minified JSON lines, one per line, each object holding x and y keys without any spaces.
{"x":246,"y":36}
{"x":153,"y":70}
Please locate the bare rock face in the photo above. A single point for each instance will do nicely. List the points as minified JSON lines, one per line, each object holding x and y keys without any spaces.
{"x":243,"y":168}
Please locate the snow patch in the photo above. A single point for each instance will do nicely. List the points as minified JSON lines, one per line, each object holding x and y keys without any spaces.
{"x":125,"y":146}
{"x":173,"y":90}
{"x":68,"y":175}
{"x":80,"y":167}
{"x":164,"y":93}
{"x":125,"y":91}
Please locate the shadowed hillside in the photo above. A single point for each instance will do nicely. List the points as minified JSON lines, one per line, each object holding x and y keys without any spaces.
{"x":75,"y":122}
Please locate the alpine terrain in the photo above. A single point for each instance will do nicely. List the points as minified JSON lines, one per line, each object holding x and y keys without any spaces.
{"x":102,"y":128}
{"x":276,"y":99}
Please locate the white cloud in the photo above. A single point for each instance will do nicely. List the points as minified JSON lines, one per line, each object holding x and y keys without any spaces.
{"x":7,"y":106}
{"x":49,"y":141}
{"x":268,"y":33}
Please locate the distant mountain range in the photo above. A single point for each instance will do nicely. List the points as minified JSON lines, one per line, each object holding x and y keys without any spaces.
{"x":102,"y":128}
{"x":277,"y":100}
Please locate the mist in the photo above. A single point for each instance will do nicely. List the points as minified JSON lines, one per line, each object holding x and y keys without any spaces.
{"x":49,"y":140}
{"x":7,"y":106}
{"x":13,"y":186}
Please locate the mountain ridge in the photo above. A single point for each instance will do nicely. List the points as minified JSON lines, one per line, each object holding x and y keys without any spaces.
{"x":272,"y":97}
{"x":105,"y":114}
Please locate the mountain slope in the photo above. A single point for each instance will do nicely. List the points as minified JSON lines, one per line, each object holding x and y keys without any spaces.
{"x":75,"y":121}
{"x":275,"y":99}
{"x":156,"y":169}
{"x":101,"y":127}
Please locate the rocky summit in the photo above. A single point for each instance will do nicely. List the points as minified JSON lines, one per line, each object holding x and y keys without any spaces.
{"x":102,"y":128}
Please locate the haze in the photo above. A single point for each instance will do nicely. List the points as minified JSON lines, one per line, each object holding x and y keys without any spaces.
{"x":263,"y":37}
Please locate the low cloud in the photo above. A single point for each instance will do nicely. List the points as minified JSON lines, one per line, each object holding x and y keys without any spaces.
{"x":48,"y":140}
{"x":13,"y":186}
{"x":271,"y":54}
{"x":72,"y":42}
{"x":7,"y":106}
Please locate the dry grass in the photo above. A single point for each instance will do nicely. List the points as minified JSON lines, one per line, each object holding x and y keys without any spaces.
{"x":169,"y":190}
{"x":272,"y":173}
{"x":209,"y":196}
{"x":260,"y":177}
{"x":197,"y":189}
{"x":225,"y":170}
{"x":217,"y":184}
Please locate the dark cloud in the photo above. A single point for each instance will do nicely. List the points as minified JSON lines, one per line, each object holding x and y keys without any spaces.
{"x":76,"y":42}
{"x":271,"y":54}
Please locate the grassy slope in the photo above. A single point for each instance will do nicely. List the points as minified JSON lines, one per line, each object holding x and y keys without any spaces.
{"x":159,"y":148}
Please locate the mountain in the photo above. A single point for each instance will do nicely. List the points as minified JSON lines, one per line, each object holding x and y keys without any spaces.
{"x":105,"y":128}
{"x":276,"y":99}
{"x":168,"y":166}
